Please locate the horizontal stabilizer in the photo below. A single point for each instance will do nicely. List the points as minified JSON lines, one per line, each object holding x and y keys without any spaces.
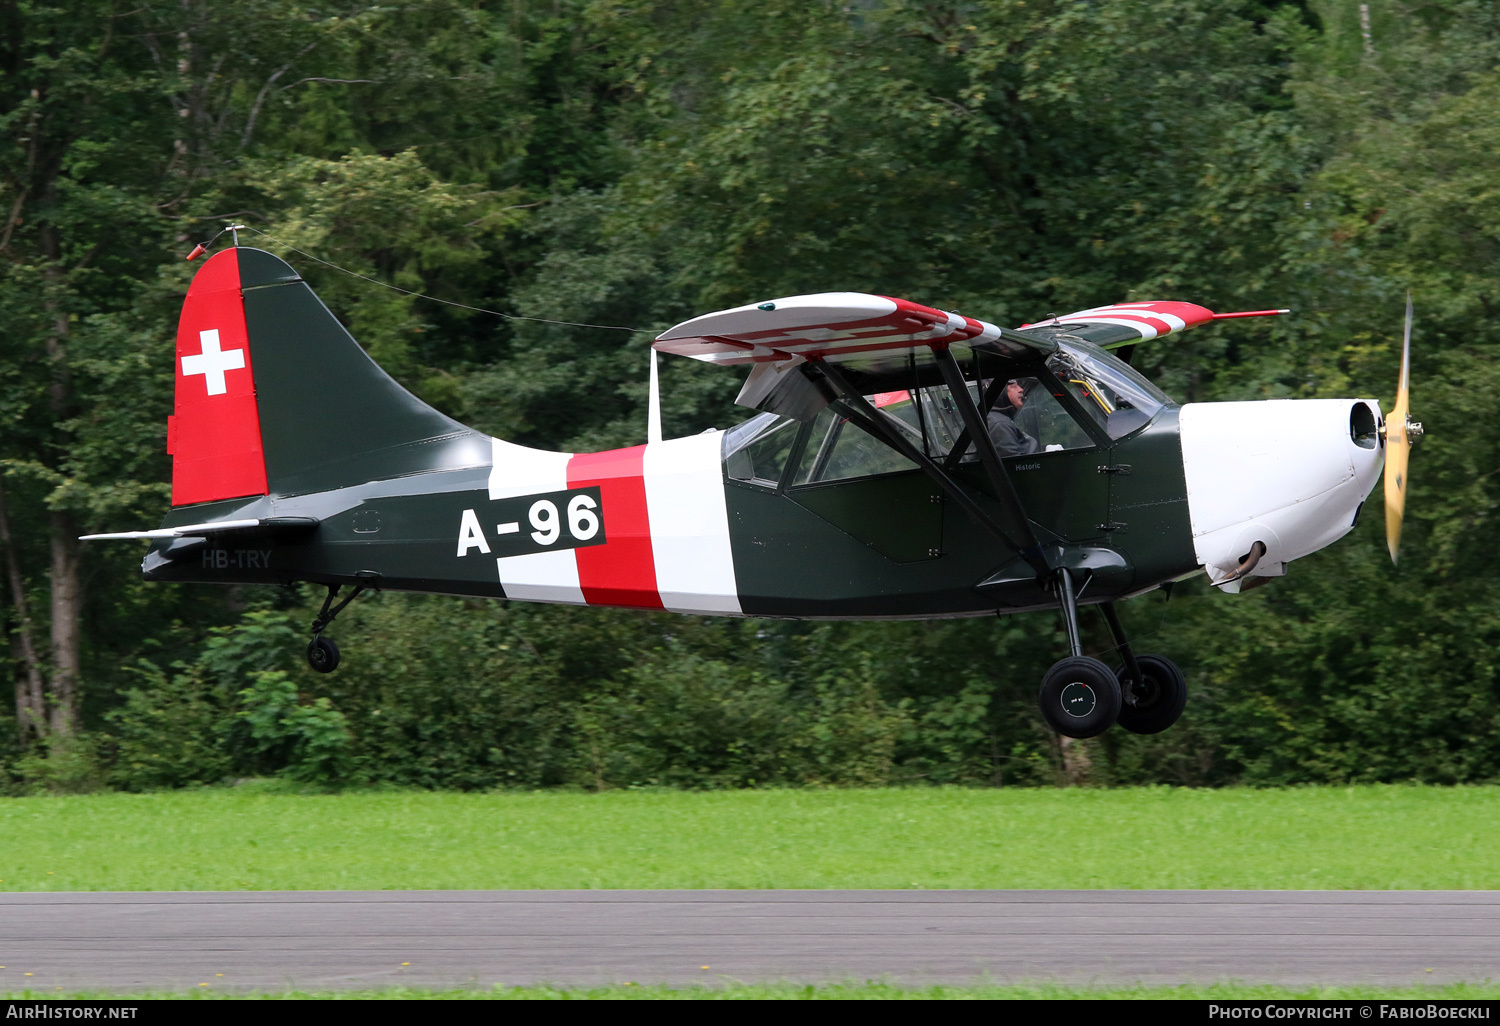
{"x":273,"y":525}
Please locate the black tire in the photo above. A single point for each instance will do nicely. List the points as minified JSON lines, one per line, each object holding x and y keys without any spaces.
{"x":1153,"y":704}
{"x":1080,"y":697}
{"x":323,"y":654}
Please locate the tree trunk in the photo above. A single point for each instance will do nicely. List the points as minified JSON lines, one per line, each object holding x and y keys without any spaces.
{"x":31,"y":709}
{"x":1077,"y":764}
{"x":67,"y":601}
{"x":66,"y":581}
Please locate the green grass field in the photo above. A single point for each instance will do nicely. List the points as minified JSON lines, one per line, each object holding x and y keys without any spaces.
{"x":250,"y":838}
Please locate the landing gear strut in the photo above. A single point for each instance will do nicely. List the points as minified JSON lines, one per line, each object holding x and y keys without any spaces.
{"x":1153,"y":689}
{"x":1081,"y":697}
{"x":323,"y":653}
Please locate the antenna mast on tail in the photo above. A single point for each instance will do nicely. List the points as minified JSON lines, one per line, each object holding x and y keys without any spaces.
{"x":202,"y":247}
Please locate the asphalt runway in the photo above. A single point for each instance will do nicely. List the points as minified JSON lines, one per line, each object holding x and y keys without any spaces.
{"x":365,"y":939}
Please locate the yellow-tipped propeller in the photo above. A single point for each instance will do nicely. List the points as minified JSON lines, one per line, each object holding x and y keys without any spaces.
{"x":1400,"y":429}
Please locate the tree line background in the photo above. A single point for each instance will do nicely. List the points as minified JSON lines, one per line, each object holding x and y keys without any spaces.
{"x":636,"y":162}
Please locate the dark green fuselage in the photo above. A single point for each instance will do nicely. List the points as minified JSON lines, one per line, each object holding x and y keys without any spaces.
{"x":890,"y":545}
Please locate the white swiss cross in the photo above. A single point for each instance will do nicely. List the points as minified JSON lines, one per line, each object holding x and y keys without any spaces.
{"x":213,"y":362}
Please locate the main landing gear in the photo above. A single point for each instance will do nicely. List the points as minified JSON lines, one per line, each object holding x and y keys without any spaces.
{"x":1081,"y":697}
{"x":323,"y":653}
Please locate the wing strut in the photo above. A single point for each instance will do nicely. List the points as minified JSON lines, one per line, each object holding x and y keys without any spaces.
{"x":875,"y":422}
{"x":1013,"y":516}
{"x":986,"y":403}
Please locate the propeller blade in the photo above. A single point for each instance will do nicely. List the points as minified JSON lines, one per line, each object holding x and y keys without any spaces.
{"x":1398,"y":446}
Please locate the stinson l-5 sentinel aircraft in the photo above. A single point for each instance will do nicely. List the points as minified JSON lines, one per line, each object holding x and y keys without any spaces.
{"x":904,"y":463}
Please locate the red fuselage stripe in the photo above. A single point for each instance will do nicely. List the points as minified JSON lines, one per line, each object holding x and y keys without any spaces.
{"x":622,"y":571}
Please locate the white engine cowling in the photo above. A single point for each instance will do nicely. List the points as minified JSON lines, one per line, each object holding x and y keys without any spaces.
{"x":1290,"y":474}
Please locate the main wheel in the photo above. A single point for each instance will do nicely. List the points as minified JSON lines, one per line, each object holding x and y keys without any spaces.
{"x":1153,"y":703}
{"x":323,"y":654}
{"x":1080,"y":697}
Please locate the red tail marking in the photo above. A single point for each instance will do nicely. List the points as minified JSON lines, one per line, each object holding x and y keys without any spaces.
{"x":622,"y":571}
{"x":214,"y":436}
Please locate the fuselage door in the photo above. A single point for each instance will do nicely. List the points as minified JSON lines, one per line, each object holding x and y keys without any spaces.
{"x":1064,"y":491}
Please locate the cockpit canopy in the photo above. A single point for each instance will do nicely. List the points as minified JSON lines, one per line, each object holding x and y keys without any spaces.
{"x":1078,"y":397}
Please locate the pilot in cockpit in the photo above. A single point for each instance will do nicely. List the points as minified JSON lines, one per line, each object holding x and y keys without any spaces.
{"x":1009,"y":419}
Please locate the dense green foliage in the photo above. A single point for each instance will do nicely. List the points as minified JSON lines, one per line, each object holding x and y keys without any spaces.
{"x":632,"y":164}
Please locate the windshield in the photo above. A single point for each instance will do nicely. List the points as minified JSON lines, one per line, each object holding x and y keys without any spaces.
{"x":1118,"y":398}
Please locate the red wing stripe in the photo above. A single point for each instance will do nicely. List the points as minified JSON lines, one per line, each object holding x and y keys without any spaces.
{"x":1162,"y":327}
{"x":730,"y":359}
{"x":876,"y":347}
{"x":1161,"y":317}
{"x":728,"y":340}
{"x":622,"y":571}
{"x":826,"y":349}
{"x":864,"y":329}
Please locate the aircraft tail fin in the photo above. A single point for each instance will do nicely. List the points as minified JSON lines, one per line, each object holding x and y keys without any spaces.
{"x":274,"y":396}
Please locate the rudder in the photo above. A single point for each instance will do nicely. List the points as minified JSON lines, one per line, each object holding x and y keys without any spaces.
{"x":324,"y":415}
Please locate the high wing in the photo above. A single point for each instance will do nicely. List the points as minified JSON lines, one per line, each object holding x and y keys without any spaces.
{"x":847,"y":327}
{"x":874,"y":332}
{"x":883,"y":343}
{"x":1123,"y":324}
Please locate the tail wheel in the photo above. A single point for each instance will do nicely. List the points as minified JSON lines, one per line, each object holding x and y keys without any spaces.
{"x":1080,"y":697}
{"x":323,"y":654}
{"x":1153,"y":703}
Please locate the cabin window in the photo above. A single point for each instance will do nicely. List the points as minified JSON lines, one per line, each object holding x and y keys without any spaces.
{"x":838,"y":449}
{"x":1040,"y":418}
{"x":756,"y":451}
{"x":1040,"y":422}
{"x":1031,"y":414}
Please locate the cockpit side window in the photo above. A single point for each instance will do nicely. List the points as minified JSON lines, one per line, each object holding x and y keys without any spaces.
{"x":756,"y":451}
{"x":1036,"y":415}
{"x":839,"y":449}
{"x":1083,"y":396}
{"x":1026,"y":417}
